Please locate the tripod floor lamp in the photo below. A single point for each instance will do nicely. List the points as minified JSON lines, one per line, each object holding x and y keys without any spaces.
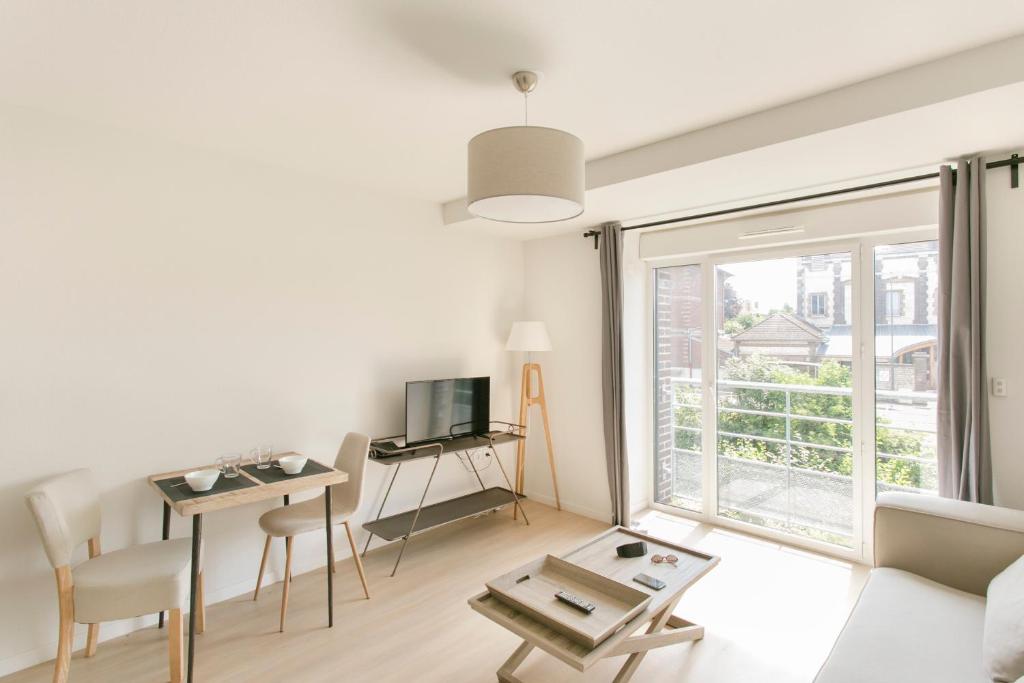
{"x":530,"y":336}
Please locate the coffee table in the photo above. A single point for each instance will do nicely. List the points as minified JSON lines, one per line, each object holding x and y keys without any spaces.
{"x":598,"y":555}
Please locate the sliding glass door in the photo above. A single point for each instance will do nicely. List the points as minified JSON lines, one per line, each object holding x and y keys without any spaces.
{"x":790,"y":386}
{"x":784,"y":388}
{"x":905,"y":283}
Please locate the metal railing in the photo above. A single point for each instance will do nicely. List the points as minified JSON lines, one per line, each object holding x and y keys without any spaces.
{"x":788,"y":440}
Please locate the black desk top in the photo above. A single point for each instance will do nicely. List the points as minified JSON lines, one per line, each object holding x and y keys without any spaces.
{"x":384,"y":454}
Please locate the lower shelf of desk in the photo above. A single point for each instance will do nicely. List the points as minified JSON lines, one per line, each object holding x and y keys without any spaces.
{"x":397,"y":526}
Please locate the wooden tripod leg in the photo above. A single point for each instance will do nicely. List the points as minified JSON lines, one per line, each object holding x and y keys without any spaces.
{"x":547,"y":434}
{"x":524,"y":406}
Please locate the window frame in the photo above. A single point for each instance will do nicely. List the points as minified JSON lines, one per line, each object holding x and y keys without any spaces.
{"x":861,"y":312}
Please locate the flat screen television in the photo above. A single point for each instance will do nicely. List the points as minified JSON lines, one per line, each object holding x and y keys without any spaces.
{"x":444,"y":408}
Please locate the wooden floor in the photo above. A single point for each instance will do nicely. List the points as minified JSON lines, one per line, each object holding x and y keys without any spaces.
{"x":771,"y":614}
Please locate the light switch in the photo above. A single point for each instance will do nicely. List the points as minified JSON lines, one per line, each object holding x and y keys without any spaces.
{"x":998,"y":386}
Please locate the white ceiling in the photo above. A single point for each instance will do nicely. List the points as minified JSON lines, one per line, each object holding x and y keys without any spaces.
{"x":386,"y":93}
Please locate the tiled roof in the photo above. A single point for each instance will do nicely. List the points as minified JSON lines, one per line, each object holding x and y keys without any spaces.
{"x":781,"y":328}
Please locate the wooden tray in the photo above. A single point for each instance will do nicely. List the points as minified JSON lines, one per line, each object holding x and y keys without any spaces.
{"x":616,"y":602}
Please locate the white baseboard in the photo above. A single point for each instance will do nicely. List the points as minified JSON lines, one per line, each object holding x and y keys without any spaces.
{"x":599,"y":515}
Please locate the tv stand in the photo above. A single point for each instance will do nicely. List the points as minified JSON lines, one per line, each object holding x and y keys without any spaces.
{"x":405,"y":524}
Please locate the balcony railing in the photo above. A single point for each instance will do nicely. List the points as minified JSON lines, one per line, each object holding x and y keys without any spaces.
{"x":785,"y":493}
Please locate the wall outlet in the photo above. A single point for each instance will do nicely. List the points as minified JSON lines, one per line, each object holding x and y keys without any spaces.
{"x":998,"y":386}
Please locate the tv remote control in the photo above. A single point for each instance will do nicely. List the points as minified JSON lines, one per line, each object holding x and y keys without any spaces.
{"x":575,"y":602}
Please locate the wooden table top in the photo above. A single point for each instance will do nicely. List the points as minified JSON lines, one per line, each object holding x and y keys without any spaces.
{"x":250,"y":494}
{"x":598,"y":555}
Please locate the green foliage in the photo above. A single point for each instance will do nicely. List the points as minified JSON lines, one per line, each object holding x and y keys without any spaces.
{"x":743,"y":321}
{"x":736,"y":428}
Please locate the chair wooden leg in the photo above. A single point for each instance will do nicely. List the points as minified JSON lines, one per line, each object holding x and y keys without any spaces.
{"x":66,"y":632}
{"x":175,"y":645}
{"x":334,"y":562}
{"x":201,"y":605}
{"x":359,"y":562}
{"x":287,"y":579}
{"x":92,"y":639}
{"x":263,"y":567}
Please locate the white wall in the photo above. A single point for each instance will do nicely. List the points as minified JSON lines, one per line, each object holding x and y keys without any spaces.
{"x":1005,"y":330}
{"x":162,"y":305}
{"x":563,"y":288}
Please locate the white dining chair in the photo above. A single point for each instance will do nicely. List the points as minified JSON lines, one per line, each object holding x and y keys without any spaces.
{"x":291,"y":520}
{"x":142,"y":579}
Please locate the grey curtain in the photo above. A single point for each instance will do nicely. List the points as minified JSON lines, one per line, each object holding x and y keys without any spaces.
{"x":611,"y":362}
{"x":965,"y":467}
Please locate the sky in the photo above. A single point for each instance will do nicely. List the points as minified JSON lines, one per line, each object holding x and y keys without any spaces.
{"x":771,"y":284}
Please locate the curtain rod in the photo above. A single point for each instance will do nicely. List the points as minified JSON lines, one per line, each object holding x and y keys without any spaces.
{"x":1012,"y":162}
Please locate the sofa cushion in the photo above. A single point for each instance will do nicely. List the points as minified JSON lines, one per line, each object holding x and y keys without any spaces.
{"x":1003,"y":646}
{"x":907,"y":628}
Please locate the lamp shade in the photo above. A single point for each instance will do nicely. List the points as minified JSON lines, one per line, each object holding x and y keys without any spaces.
{"x":528,"y":335}
{"x":525,"y":174}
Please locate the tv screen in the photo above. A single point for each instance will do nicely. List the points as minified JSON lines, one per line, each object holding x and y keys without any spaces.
{"x":435,"y":409}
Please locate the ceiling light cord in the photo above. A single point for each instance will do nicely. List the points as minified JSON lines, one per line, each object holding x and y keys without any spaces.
{"x":526,"y":109}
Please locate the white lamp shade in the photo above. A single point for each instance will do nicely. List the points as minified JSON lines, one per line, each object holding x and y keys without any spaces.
{"x":528,"y":335}
{"x":526,"y":174}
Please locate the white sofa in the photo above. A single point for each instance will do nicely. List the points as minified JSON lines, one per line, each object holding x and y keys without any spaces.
{"x":921,"y":614}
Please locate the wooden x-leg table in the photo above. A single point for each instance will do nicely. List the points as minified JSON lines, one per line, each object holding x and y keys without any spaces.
{"x":598,"y":555}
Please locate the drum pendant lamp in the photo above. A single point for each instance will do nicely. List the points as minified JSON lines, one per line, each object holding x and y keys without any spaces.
{"x":525,"y":174}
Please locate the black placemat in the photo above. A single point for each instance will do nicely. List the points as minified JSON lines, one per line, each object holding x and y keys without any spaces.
{"x":183,"y":492}
{"x":274,"y":474}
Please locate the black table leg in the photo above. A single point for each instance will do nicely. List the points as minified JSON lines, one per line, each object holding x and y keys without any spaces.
{"x":330,"y":557}
{"x":197,"y":539}
{"x":166,"y":534}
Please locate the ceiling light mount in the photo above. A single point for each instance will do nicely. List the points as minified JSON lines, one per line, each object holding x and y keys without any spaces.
{"x":525,"y":81}
{"x":525,"y":174}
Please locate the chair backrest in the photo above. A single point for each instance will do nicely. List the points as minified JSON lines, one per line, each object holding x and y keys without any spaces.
{"x":67,"y":512}
{"x":352,"y":455}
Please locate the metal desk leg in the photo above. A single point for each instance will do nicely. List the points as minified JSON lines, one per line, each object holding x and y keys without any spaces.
{"x":330,"y":557}
{"x":197,"y":540}
{"x":512,"y":490}
{"x":416,"y":517}
{"x":381,"y":510}
{"x":165,"y":535}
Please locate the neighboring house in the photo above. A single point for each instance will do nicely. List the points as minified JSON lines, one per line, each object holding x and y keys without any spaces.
{"x":781,"y":335}
{"x":906,"y":311}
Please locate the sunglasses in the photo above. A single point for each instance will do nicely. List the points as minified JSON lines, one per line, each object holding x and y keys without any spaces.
{"x":667,"y":559}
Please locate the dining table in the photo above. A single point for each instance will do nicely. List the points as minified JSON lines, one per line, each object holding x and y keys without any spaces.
{"x":251,"y":485}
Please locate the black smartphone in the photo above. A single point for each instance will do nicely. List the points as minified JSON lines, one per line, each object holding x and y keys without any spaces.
{"x":650,"y":581}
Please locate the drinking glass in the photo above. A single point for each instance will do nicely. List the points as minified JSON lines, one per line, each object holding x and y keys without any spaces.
{"x":262,"y":456}
{"x":229,"y":465}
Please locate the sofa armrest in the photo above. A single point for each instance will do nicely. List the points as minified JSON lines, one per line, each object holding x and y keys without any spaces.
{"x":959,"y":544}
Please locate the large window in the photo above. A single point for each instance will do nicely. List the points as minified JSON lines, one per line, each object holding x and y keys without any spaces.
{"x":770,"y":409}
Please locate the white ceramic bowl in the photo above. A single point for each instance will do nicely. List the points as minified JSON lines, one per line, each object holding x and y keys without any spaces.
{"x":292,"y":464}
{"x":202,"y":480}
